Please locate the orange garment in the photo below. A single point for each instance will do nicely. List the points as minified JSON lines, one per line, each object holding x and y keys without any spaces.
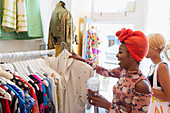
{"x":58,"y":50}
{"x":135,"y":41}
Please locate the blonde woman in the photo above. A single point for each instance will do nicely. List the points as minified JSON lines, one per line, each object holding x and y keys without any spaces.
{"x":157,"y":44}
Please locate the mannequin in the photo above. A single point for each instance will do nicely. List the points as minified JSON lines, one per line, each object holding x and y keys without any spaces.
{"x":61,"y":29}
{"x":62,"y":4}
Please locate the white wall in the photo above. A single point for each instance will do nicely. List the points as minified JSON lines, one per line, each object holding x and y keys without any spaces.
{"x":46,"y":8}
{"x":157,"y":18}
{"x":80,"y":8}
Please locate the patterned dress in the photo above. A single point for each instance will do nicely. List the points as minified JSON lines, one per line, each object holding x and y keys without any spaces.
{"x":125,"y":98}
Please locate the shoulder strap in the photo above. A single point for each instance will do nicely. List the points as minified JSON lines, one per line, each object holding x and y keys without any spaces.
{"x":155,"y":75}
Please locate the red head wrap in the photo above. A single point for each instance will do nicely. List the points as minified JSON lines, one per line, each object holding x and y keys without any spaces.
{"x":136,"y":43}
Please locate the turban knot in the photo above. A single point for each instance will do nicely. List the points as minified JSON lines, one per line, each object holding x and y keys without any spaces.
{"x":124,"y":34}
{"x":135,"y":41}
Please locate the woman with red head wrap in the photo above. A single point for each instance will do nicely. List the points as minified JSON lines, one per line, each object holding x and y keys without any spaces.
{"x":132,"y":92}
{"x":136,"y":43}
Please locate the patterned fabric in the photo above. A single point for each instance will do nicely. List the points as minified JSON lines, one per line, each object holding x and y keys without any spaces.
{"x":44,"y":93}
{"x":14,"y":104}
{"x":21,"y":101}
{"x":20,"y":83}
{"x":125,"y":98}
{"x":35,"y":108}
{"x":45,"y":104}
{"x":21,"y":16}
{"x":74,"y":75}
{"x":61,"y":28}
{"x":92,"y":46}
{"x":21,"y":94}
{"x":34,"y":22}
{"x":9,"y":15}
{"x":29,"y":101}
{"x":5,"y":103}
{"x":45,"y":99}
{"x":51,"y":107}
{"x":14,"y":16}
{"x":39,"y":93}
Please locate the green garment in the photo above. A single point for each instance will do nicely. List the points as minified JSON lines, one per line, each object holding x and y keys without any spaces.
{"x":61,"y":28}
{"x":34,"y":30}
{"x":34,"y":19}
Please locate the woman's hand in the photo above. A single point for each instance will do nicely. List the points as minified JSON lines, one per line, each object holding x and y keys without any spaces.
{"x":97,"y":100}
{"x":77,"y":57}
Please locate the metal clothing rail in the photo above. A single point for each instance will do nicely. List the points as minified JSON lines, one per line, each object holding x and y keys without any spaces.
{"x":27,"y":54}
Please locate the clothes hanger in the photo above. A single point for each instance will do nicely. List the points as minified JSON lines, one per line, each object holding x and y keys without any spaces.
{"x":5,"y":95}
{"x":24,"y":68}
{"x":11,"y":67}
{"x":16,"y":66}
{"x":65,"y":45}
{"x":32,"y":70}
{"x":49,"y":70}
{"x":21,"y":73}
{"x":42,"y":77}
{"x":21,"y":69}
{"x":5,"y":74}
{"x":28,"y":65}
{"x":41,"y":64}
{"x":5,"y":80}
{"x":41,"y":74}
{"x":36,"y":67}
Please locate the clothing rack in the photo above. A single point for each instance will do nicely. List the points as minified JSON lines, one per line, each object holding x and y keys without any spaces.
{"x":27,"y":54}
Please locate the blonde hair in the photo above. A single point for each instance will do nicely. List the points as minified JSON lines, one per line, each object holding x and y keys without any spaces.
{"x":157,"y":41}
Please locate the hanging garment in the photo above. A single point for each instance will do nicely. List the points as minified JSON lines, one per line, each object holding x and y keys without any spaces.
{"x":20,"y":83}
{"x":35,"y":108}
{"x":21,"y":101}
{"x":1,"y":110}
{"x":54,"y":92}
{"x":33,"y":23}
{"x":92,"y":46}
{"x":5,"y":103}
{"x":21,"y":16}
{"x":51,"y":106}
{"x":39,"y":93}
{"x":73,"y":78}
{"x":9,"y":15}
{"x":61,"y":28}
{"x":34,"y":19}
{"x":21,"y":94}
{"x":14,"y":104}
{"x":14,"y":16}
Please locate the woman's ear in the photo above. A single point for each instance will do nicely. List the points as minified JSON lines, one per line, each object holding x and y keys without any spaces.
{"x":159,"y":50}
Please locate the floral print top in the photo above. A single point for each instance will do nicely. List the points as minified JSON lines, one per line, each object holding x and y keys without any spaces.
{"x":125,"y":98}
